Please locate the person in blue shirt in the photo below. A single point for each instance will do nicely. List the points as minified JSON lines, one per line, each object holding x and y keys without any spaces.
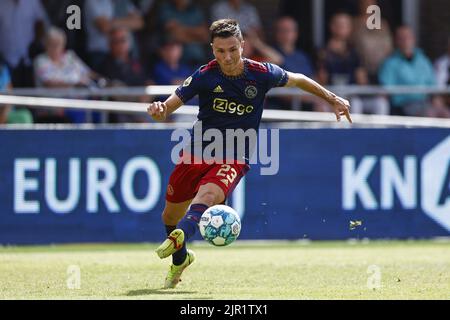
{"x":286,"y":36}
{"x":9,"y":114}
{"x":295,"y":60}
{"x":169,"y":70}
{"x":5,"y":84}
{"x":408,"y":66}
{"x":231,"y":92}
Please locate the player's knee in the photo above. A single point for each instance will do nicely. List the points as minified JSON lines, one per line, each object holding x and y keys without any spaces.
{"x":208,"y":197}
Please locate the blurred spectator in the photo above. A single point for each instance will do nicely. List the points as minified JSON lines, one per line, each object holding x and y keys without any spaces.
{"x":169,"y":70}
{"x":122,"y":69}
{"x":5,"y":85}
{"x":339,"y":65}
{"x":58,"y":68}
{"x":338,"y":62}
{"x":101,"y":16}
{"x":409,"y":66}
{"x":119,"y":66}
{"x":442,"y":67}
{"x":21,"y":21}
{"x":258,"y":50}
{"x":7,"y":113}
{"x":286,"y":36}
{"x":372,"y":45}
{"x":246,"y":14}
{"x":184,"y":21}
{"x":293,"y":59}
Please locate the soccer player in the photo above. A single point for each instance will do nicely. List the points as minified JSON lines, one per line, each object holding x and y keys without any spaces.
{"x":231,"y":92}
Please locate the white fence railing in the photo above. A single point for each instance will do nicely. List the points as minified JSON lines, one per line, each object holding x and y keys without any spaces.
{"x":167,"y":90}
{"x":268,"y":115}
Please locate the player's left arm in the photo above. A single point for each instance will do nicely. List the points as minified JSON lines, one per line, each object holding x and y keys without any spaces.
{"x":340,"y":105}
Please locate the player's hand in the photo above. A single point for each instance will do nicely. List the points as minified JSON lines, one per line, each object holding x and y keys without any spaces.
{"x":157,"y":110}
{"x":341,"y":107}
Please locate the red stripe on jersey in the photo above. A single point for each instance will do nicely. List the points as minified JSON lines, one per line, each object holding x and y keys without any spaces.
{"x":256,"y":66}
{"x":212,"y":64}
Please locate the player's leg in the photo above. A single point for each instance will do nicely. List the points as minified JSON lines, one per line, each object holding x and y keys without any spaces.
{"x":172,"y":214}
{"x":179,"y":194}
{"x":215,"y":184}
{"x":175,"y":243}
{"x":213,"y":189}
{"x":208,"y":195}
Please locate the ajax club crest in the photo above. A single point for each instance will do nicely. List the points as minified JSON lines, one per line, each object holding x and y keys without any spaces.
{"x":251,"y":92}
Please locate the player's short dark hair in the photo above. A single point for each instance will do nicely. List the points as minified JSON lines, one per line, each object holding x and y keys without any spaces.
{"x":225,"y":28}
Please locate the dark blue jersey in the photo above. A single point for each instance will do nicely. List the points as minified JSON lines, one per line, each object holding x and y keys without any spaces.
{"x":231,"y":102}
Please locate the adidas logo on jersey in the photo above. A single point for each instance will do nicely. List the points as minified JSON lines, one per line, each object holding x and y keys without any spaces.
{"x":218,"y":89}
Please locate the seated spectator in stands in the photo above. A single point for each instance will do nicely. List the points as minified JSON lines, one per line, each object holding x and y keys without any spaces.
{"x":119,"y":66}
{"x":372,"y":45}
{"x":122,"y":69}
{"x":101,"y":16}
{"x":60,"y":68}
{"x":246,"y":14}
{"x":7,"y":113}
{"x":340,"y":65}
{"x":286,"y":36}
{"x":442,"y":68}
{"x":409,"y":66}
{"x":338,"y":62}
{"x":293,"y":59}
{"x":184,"y":21}
{"x":21,"y":21}
{"x":258,"y":50}
{"x":169,"y":70}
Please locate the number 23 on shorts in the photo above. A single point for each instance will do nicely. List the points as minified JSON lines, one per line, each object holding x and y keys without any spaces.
{"x":228,"y":172}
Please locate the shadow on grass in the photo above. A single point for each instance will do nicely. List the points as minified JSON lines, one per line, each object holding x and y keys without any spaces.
{"x":143,"y":292}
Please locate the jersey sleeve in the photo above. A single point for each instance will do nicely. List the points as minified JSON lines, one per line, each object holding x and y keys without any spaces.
{"x":190,"y":87}
{"x":277,"y":76}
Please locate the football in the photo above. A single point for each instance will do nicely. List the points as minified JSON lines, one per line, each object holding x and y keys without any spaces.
{"x":220,"y":225}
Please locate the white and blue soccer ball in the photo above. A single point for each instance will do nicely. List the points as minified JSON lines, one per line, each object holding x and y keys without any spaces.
{"x":220,"y":225}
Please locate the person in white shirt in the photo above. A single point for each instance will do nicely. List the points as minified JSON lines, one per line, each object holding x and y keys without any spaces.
{"x":57,"y":67}
{"x":60,"y":68}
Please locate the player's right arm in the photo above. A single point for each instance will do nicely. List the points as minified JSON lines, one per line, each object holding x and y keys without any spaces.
{"x":159,"y":110}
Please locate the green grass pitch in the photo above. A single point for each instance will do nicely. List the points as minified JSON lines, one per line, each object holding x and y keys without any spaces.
{"x":244,"y":270}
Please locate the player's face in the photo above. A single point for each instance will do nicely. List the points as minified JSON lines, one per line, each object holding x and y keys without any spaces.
{"x":228,"y":53}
